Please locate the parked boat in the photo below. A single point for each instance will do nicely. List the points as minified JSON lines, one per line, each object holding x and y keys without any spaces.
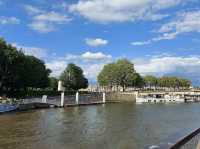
{"x":158,"y":98}
{"x":7,"y":108}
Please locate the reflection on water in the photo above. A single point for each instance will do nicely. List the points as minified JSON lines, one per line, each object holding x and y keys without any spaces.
{"x":113,"y":126}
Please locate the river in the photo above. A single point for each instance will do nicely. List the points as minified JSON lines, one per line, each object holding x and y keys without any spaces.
{"x":110,"y":126}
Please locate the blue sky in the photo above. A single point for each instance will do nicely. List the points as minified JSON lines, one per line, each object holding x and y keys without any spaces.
{"x":161,"y":37}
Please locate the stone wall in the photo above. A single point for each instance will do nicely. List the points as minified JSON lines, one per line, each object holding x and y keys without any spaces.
{"x":120,"y":97}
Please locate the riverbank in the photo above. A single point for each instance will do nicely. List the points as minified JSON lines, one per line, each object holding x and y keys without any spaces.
{"x":103,"y":98}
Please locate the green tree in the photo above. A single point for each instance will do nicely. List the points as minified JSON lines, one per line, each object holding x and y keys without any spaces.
{"x":53,"y":83}
{"x":19,"y":72}
{"x":120,"y":73}
{"x":108,"y":76}
{"x":174,"y":82}
{"x":11,"y":62}
{"x":151,"y":81}
{"x":185,"y":83}
{"x":73,"y":78}
{"x":125,"y":73}
{"x":137,"y":81}
{"x":36,"y":74}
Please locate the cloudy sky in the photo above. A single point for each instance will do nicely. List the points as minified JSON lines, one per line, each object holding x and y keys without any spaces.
{"x":161,"y":37}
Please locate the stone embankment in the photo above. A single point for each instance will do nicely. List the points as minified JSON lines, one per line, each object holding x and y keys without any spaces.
{"x":120,"y":97}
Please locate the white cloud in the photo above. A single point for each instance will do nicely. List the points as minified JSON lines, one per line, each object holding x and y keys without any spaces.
{"x":42,"y":27}
{"x":9,"y":20}
{"x":184,"y":23}
{"x":71,"y":57}
{"x":165,"y":36}
{"x":170,"y":65}
{"x":95,"y":56}
{"x":52,"y":17}
{"x":45,"y":21}
{"x":105,"y":11}
{"x":96,"y":42}
{"x":57,"y":67}
{"x":33,"y":10}
{"x":140,"y":43}
{"x":48,"y":21}
{"x":91,"y":70}
{"x":87,"y":56}
{"x":92,"y":63}
{"x":33,"y":51}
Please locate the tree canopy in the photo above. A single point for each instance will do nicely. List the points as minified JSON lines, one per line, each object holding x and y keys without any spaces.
{"x":53,"y":83}
{"x":151,"y":81}
{"x":174,"y":82}
{"x":73,"y":78}
{"x":120,"y":73}
{"x":19,"y":71}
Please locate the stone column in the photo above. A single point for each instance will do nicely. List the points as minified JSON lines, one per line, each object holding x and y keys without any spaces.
{"x":77,"y":97}
{"x":62,"y":99}
{"x":104,"y":97}
{"x":44,"y":99}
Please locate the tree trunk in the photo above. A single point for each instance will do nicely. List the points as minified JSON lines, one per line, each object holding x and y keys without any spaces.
{"x":124,"y":88}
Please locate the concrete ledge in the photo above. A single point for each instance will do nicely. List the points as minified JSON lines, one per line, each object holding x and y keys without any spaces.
{"x":31,"y":106}
{"x":84,"y":104}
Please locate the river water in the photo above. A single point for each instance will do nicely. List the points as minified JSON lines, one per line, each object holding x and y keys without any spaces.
{"x":111,"y":126}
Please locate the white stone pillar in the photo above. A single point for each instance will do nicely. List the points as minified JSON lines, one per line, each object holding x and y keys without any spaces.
{"x":104,"y":97}
{"x":44,"y":99}
{"x":77,"y":97}
{"x":136,"y":94}
{"x":60,"y":87}
{"x":62,"y":99}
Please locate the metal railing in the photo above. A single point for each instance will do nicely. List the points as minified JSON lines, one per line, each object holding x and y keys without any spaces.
{"x":69,"y":99}
{"x":177,"y":141}
{"x":190,"y":141}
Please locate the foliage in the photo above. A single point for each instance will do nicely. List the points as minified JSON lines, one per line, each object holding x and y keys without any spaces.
{"x":168,"y":82}
{"x":138,"y":81}
{"x":53,"y":83}
{"x":20,"y":72}
{"x":120,"y":73}
{"x":108,"y":76}
{"x":151,"y":81}
{"x":174,"y":82}
{"x":73,"y":78}
{"x":36,"y":74}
